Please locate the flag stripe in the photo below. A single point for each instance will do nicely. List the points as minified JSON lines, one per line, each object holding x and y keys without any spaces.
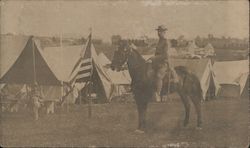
{"x":86,"y":64}
{"x":83,"y":75}
{"x":85,"y":67}
{"x":82,"y":80}
{"x":86,"y":60}
{"x":84,"y":71}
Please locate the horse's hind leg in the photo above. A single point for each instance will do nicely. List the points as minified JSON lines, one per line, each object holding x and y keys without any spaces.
{"x":197,"y":104}
{"x":187,"y":108}
{"x":144,"y":110}
{"x":141,"y":109}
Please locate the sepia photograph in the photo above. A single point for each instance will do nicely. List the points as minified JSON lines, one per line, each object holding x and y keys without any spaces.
{"x":124,"y":73}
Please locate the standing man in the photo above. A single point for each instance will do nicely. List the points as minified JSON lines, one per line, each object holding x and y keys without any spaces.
{"x":160,"y":61}
{"x":36,"y":98}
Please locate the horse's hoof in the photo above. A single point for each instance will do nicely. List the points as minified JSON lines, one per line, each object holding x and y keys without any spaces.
{"x":139,"y":131}
{"x":198,"y":128}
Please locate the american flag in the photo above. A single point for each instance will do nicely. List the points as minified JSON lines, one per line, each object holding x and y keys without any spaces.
{"x":84,"y":72}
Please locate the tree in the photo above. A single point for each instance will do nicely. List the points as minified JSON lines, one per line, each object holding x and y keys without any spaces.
{"x":198,"y":41}
{"x":115,"y":39}
{"x":174,"y":43}
{"x":180,"y":38}
{"x":210,"y":36}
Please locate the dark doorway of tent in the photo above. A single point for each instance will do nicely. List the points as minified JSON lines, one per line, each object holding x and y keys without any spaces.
{"x":96,"y":90}
{"x":211,"y":92}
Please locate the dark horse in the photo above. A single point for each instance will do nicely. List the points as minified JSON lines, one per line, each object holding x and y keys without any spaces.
{"x":187,"y":86}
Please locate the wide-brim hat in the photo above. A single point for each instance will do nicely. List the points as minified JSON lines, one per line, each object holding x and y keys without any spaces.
{"x":161,"y":28}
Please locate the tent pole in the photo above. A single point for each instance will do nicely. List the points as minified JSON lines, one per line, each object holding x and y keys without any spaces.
{"x":34,"y":61}
{"x":80,"y":97}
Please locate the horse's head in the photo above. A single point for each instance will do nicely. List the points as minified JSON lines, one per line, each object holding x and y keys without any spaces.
{"x":121,"y":55}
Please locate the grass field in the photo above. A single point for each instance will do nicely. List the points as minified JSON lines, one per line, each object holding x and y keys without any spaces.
{"x":225,"y":124}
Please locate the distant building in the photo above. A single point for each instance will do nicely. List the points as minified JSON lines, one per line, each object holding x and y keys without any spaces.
{"x":115,"y":39}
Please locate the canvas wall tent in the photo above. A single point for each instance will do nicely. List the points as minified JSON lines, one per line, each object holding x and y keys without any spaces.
{"x":121,"y":77}
{"x":104,"y":61}
{"x":26,"y":64}
{"x":102,"y":82}
{"x":50,"y":93}
{"x":63,"y":60}
{"x":11,"y":95}
{"x":120,"y":80}
{"x":2,"y":86}
{"x":232,"y":73}
{"x":16,"y":56}
{"x":202,"y":68}
{"x":245,"y":91}
{"x":229,"y":91}
{"x":53,"y":66}
{"x":209,"y":50}
{"x":191,"y":48}
{"x":12,"y":90}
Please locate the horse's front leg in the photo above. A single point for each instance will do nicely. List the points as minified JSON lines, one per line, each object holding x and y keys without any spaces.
{"x":144,"y":111}
{"x":141,"y":117}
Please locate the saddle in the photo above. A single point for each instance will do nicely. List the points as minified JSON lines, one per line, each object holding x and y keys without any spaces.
{"x":170,"y":75}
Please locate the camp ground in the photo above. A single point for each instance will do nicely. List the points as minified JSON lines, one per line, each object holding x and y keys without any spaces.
{"x":134,"y":73}
{"x":109,"y":116}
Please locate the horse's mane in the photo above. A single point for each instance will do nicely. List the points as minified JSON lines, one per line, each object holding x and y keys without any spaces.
{"x":139,"y":55}
{"x":138,"y":67}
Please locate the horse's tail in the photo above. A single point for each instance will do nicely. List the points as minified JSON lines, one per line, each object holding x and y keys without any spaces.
{"x":196,"y":86}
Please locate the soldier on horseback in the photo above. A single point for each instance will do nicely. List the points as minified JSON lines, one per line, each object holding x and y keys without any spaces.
{"x":186,"y":84}
{"x":160,"y":62}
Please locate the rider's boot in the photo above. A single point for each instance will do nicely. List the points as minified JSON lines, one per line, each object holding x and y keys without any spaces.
{"x":157,"y":96}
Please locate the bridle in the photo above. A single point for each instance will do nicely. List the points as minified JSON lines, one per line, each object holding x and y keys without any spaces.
{"x":126,"y":53}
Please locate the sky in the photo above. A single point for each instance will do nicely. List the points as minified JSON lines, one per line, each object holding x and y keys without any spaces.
{"x":130,"y":19}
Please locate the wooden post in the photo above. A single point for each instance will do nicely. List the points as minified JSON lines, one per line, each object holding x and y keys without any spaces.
{"x":89,"y":101}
